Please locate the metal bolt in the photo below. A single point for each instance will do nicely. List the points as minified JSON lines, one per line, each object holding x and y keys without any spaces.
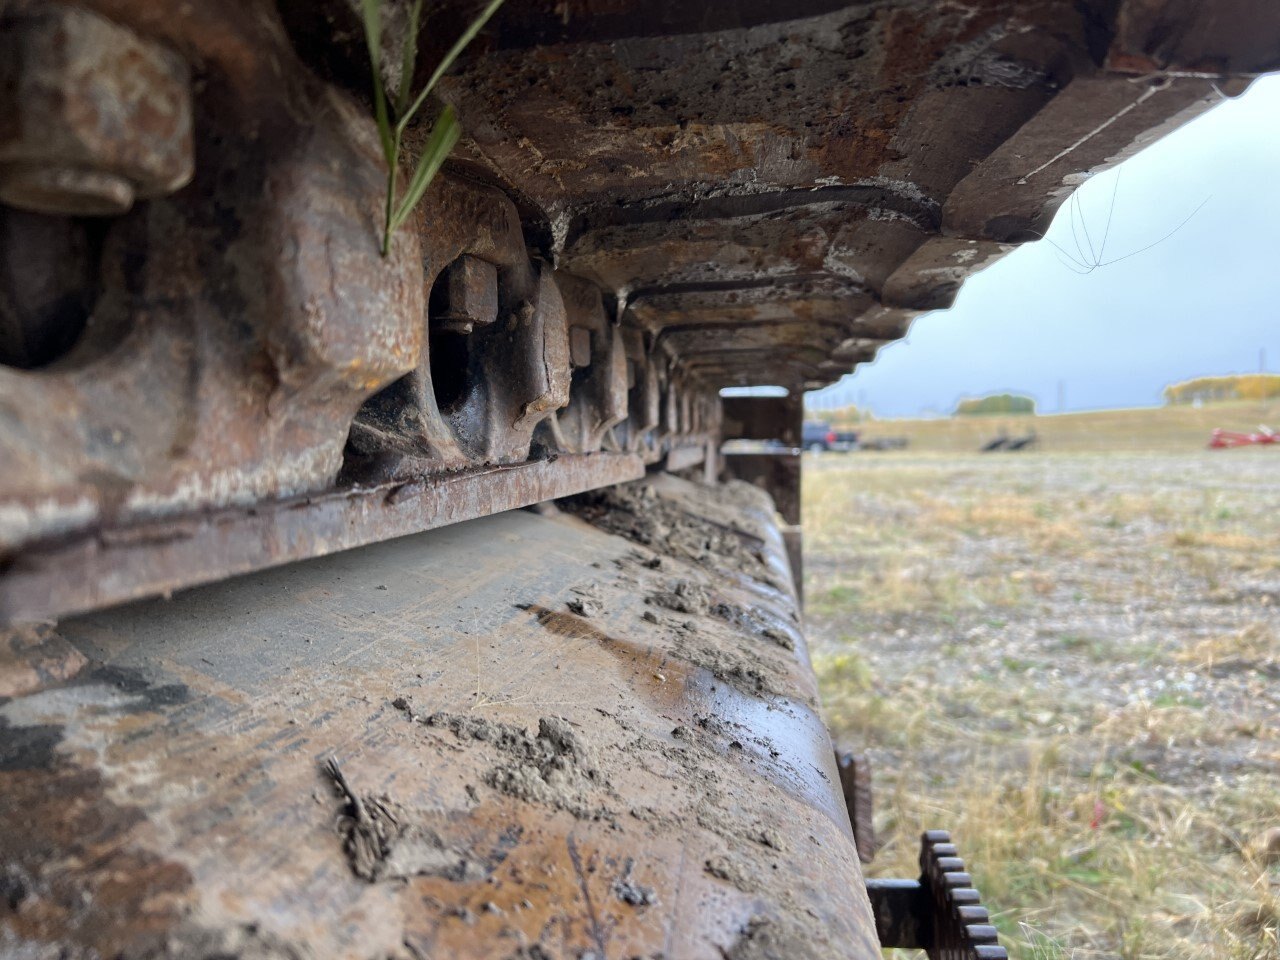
{"x":580,"y":346}
{"x":466,"y":296}
{"x":93,"y":116}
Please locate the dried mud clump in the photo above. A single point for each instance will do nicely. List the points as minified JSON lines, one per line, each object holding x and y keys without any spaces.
{"x":731,"y":871}
{"x":554,"y":768}
{"x":587,"y":601}
{"x":766,"y":939}
{"x":727,"y":664}
{"x":759,"y":940}
{"x":640,"y":515}
{"x":685,"y":596}
{"x":745,"y":496}
{"x":759,"y":623}
{"x":242,"y":941}
{"x":631,"y":893}
{"x":382,"y":841}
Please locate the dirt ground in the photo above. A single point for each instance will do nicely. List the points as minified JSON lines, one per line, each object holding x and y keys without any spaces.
{"x":1072,"y":661}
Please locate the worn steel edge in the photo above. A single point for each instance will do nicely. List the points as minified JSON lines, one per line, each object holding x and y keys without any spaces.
{"x":155,"y":558}
{"x":165,"y":767}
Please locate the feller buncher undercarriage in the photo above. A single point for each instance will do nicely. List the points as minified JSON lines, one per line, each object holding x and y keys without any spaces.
{"x":284,"y":673}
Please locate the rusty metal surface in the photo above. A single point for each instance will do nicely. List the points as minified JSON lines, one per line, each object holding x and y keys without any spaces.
{"x":940,"y":913}
{"x":961,"y":928}
{"x":904,"y":915}
{"x":684,"y":457}
{"x":793,"y":540}
{"x":855,"y":786}
{"x":773,"y":466}
{"x":650,"y":202}
{"x":235,"y":325}
{"x":159,"y":557}
{"x":33,"y":655}
{"x":216,"y":345}
{"x":772,"y":194}
{"x":551,"y":741}
{"x":96,"y":116}
{"x":217,"y":372}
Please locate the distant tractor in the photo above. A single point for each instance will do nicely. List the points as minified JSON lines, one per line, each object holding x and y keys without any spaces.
{"x":1222,"y":439}
{"x":1006,"y":442}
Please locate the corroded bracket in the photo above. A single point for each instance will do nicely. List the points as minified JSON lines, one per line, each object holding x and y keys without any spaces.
{"x":197,"y":316}
{"x":855,"y":784}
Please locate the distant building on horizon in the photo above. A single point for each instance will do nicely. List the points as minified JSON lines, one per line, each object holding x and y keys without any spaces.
{"x":1236,"y":386}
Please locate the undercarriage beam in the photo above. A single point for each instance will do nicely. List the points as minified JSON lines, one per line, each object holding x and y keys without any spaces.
{"x":593,"y":733}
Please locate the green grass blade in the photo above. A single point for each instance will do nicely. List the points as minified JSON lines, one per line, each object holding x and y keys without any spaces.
{"x":388,"y":202}
{"x":461,"y":44}
{"x":372,"y":13}
{"x":444,"y":136}
{"x":410,"y":58}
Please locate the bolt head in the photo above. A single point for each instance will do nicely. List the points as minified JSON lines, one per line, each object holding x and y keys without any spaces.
{"x":69,"y":191}
{"x":91,"y":115}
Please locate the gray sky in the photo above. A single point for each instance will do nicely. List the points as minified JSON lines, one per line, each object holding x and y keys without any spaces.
{"x":1203,"y":301}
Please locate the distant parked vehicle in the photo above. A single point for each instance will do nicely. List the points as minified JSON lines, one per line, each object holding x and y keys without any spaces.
{"x":817,"y":436}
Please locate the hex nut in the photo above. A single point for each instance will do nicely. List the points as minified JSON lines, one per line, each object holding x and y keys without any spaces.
{"x":580,"y":346}
{"x":92,"y":116}
{"x":465,"y":296}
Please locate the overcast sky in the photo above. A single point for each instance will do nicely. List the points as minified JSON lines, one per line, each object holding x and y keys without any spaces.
{"x":1203,"y":301}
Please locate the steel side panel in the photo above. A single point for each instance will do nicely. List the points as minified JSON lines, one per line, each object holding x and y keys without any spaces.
{"x":170,"y":799}
{"x":155,"y":558}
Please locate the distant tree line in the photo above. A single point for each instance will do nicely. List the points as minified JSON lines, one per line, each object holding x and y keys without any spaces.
{"x":847,"y":416}
{"x":1244,"y":386}
{"x":998,"y":403}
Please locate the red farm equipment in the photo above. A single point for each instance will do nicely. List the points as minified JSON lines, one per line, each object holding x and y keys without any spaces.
{"x":1221,"y":439}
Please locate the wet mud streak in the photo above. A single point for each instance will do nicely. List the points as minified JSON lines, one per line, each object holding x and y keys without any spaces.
{"x":567,"y":626}
{"x":724,"y":663}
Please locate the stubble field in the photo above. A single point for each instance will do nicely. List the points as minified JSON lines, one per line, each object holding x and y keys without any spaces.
{"x":1072,"y":661}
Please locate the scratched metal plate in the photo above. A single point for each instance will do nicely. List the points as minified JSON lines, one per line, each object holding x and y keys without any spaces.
{"x":644,"y":777}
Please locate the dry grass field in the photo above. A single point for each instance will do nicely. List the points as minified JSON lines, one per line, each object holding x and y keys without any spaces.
{"x":1139,"y":429}
{"x":1072,"y":661}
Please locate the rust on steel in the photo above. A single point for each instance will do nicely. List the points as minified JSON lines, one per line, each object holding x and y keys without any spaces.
{"x":940,"y":913}
{"x":161,"y":556}
{"x":855,"y":787}
{"x":651,"y":201}
{"x":530,"y":735}
{"x":535,"y":735}
{"x":96,"y":116}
